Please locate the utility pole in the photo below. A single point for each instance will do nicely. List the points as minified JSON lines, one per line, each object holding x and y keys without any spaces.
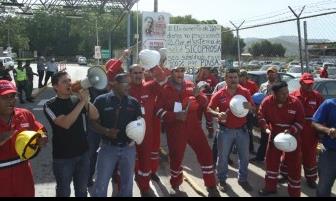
{"x":97,"y":39}
{"x":238,"y":40}
{"x":155,"y":6}
{"x":306,"y":43}
{"x":299,"y":33}
{"x":128,"y":35}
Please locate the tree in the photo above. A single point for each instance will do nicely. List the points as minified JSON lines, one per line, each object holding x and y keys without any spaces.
{"x":267,"y":49}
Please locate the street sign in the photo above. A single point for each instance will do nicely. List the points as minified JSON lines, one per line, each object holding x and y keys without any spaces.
{"x":97,"y":52}
{"x":105,"y":53}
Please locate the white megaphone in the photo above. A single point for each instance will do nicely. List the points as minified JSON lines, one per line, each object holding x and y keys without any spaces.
{"x":96,"y":78}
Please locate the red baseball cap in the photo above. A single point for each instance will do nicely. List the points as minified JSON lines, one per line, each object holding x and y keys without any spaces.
{"x":6,"y":87}
{"x":307,"y":78}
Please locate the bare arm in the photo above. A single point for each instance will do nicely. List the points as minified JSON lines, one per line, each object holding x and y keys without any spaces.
{"x":325,"y":130}
{"x":66,"y":121}
{"x":92,"y":110}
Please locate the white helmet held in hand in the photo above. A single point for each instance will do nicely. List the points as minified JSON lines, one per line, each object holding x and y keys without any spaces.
{"x":237,"y":107}
{"x":135,"y":130}
{"x":285,"y":142}
{"x":149,"y":58}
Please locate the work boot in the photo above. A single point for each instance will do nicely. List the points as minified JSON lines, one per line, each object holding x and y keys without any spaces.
{"x":213,"y":192}
{"x":155,"y":178}
{"x":245,"y":185}
{"x":223,"y":186}
{"x":311,"y":184}
{"x":149,"y":193}
{"x":264,"y":192}
{"x":176,"y":192}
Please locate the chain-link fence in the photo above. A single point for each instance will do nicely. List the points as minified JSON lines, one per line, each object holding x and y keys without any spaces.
{"x":273,"y":39}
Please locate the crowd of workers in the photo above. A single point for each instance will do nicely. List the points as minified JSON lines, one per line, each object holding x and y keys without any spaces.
{"x":91,"y":145}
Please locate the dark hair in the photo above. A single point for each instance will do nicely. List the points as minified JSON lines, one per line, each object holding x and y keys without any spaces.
{"x":231,"y":70}
{"x":121,"y":77}
{"x":279,"y":85}
{"x":1,"y":64}
{"x":56,"y":77}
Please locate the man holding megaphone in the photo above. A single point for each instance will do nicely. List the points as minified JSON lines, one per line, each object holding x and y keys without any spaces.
{"x":17,"y":147}
{"x":68,"y":115}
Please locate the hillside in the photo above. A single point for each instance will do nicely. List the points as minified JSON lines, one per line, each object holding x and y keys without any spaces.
{"x":291,"y":43}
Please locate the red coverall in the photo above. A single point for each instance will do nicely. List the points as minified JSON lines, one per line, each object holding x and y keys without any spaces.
{"x":146,"y":95}
{"x":16,"y":180}
{"x":212,"y":81}
{"x":324,"y":73}
{"x":278,"y":118}
{"x":311,"y":101}
{"x":180,"y":133}
{"x":251,"y":86}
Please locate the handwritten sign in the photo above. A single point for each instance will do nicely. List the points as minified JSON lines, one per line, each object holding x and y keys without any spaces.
{"x":193,"y":45}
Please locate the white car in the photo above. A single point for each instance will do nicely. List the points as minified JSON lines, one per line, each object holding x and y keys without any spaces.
{"x":8,"y":62}
{"x":82,"y":61}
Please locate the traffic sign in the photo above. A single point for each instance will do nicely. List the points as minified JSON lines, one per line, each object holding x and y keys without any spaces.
{"x":97,"y":52}
{"x":105,"y":53}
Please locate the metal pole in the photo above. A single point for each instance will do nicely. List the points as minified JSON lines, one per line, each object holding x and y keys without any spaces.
{"x":155,"y":6}
{"x":238,"y":41}
{"x":299,"y":34}
{"x":97,"y":39}
{"x":306,"y":43}
{"x":137,"y":34}
{"x":128,"y":35}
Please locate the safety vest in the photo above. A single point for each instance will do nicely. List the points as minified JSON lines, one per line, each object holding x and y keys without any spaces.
{"x":21,"y":75}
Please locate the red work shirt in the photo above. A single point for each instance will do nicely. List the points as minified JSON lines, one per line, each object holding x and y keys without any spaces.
{"x":222,"y":99}
{"x":276,"y":117}
{"x":310,"y":101}
{"x":324,"y":73}
{"x":251,"y":86}
{"x":22,"y":120}
{"x":170,"y":95}
{"x":145,"y":94}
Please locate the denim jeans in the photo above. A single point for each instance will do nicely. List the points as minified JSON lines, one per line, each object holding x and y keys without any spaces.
{"x":93,"y":140}
{"x":66,"y":170}
{"x":108,"y":157}
{"x":226,"y":137}
{"x":326,"y":173}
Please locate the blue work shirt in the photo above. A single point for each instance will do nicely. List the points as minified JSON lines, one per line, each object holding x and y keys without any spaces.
{"x":326,"y":115}
{"x":129,"y":110}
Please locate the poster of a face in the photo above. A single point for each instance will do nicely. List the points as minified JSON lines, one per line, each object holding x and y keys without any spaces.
{"x":154,"y":29}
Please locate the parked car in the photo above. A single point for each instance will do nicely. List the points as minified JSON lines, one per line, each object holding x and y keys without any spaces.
{"x":8,"y":62}
{"x":82,"y":60}
{"x":326,"y":86}
{"x":253,"y":64}
{"x":260,"y":77}
{"x":296,"y":70}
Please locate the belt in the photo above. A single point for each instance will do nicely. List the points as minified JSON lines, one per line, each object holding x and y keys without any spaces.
{"x":309,"y":118}
{"x":224,"y":127}
{"x":120,"y":144}
{"x":10,"y":163}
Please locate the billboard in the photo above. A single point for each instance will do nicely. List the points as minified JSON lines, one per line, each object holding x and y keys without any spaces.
{"x":193,"y":45}
{"x":154,"y":26}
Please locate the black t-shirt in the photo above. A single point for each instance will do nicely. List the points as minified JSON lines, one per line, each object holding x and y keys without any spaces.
{"x":67,"y":143}
{"x":129,"y":110}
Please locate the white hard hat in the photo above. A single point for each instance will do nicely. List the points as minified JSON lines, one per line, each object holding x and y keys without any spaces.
{"x":149,"y":58}
{"x":237,"y":107}
{"x":135,"y":130}
{"x":285,"y":142}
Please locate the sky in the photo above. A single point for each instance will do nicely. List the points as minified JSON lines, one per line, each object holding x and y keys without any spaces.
{"x":254,"y":12}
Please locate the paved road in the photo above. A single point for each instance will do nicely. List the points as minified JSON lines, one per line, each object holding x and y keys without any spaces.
{"x":45,"y":182}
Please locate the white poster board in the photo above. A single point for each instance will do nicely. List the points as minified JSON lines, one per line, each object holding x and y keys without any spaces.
{"x":97,"y":54}
{"x":154,"y":26}
{"x":193,"y":45}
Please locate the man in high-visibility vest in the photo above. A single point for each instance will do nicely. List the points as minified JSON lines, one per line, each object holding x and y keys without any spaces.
{"x":20,"y":76}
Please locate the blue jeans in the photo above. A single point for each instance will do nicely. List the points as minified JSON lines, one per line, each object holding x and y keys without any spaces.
{"x":93,"y":141}
{"x":108,"y":156}
{"x":326,"y":173}
{"x":66,"y":170}
{"x":226,"y":137}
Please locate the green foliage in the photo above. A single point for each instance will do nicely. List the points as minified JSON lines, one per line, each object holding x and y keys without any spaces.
{"x":267,"y":49}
